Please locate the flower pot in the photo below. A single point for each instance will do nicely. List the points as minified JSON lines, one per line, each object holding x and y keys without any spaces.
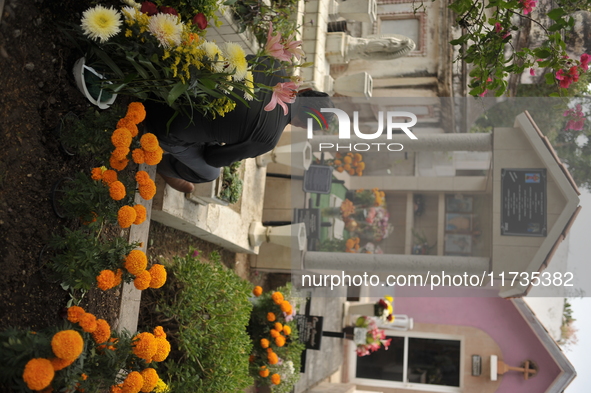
{"x":62,"y":128}
{"x":84,"y":74}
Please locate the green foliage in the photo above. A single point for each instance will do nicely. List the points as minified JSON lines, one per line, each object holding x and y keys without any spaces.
{"x":90,"y":135}
{"x":209,"y":307}
{"x":258,"y":16}
{"x":187,"y":9}
{"x":260,"y":328}
{"x":333,"y":245}
{"x":82,"y":254}
{"x":232,"y":184}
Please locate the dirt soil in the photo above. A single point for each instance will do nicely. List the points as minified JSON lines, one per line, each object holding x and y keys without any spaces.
{"x":37,"y":89}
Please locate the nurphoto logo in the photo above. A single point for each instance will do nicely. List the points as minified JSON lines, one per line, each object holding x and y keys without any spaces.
{"x":392,"y":120}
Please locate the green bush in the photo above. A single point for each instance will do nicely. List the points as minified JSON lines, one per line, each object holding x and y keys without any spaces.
{"x":206,"y":310}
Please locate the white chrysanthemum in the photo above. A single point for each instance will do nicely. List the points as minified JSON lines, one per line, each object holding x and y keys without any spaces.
{"x":132,"y":3}
{"x":167,"y":29}
{"x":236,"y":58}
{"x":130,"y":13}
{"x":249,"y":86}
{"x":101,"y":23}
{"x":214,"y":54}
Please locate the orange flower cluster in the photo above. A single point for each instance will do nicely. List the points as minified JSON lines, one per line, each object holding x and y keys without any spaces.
{"x":352,"y":163}
{"x":277,"y":297}
{"x":108,"y":279}
{"x":157,"y":276}
{"x":257,"y":291}
{"x":380,"y":197}
{"x":275,"y":379}
{"x":150,"y":153}
{"x":352,"y":245}
{"x":347,"y":208}
{"x":38,"y":373}
{"x":151,"y":347}
{"x":128,"y":215}
{"x":136,"y":263}
{"x":124,"y":134}
{"x":146,"y":185}
{"x":264,"y":371}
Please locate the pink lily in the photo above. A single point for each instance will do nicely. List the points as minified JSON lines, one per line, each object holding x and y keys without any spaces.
{"x":274,"y":48}
{"x":294,"y":48}
{"x":282,"y":93}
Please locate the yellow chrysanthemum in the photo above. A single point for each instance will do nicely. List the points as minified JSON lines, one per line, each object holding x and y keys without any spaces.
{"x":106,"y":280}
{"x":249,"y":86}
{"x":87,"y":322}
{"x":158,"y":276}
{"x":101,"y":23}
{"x":102,"y":332}
{"x":150,"y":379}
{"x":133,"y":383}
{"x":236,"y":58}
{"x":138,"y":156}
{"x":38,"y":373}
{"x":140,"y":214}
{"x":74,"y":313}
{"x":163,"y":349}
{"x":117,"y":190}
{"x":145,"y":346}
{"x":67,"y":344}
{"x":121,"y":137}
{"x":153,"y":157}
{"x":277,"y":297}
{"x":214,"y":54}
{"x":142,"y":280}
{"x":167,"y":29}
{"x":136,"y":112}
{"x":136,"y":262}
{"x":126,"y":216}
{"x":161,"y":387}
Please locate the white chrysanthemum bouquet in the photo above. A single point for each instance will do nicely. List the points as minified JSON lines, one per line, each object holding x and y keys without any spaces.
{"x":158,"y":56}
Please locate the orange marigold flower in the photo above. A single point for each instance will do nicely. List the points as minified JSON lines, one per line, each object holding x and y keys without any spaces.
{"x":163,"y":349}
{"x":115,"y":389}
{"x":159,"y":332}
{"x":67,"y":344}
{"x":121,"y":137}
{"x":133,"y":383}
{"x":142,"y":280}
{"x":286,"y":330}
{"x":87,"y":323}
{"x":150,"y":379}
{"x":102,"y":332}
{"x":38,"y":373}
{"x":135,"y":262}
{"x":275,"y":379}
{"x":274,"y":333}
{"x":140,"y":214}
{"x":264,"y":343}
{"x":138,"y":156}
{"x":74,"y":313}
{"x":126,"y":216}
{"x":109,"y":176}
{"x":153,"y":157}
{"x":106,"y":280}
{"x":277,"y":297}
{"x":347,"y":160}
{"x":272,"y":358}
{"x":60,"y":364}
{"x":270,"y":317}
{"x":142,"y":177}
{"x":358,"y":157}
{"x":280,"y":341}
{"x":340,"y":169}
{"x":130,"y":125}
{"x":269,"y":350}
{"x":149,"y":142}
{"x":84,"y":377}
{"x":147,"y":190}
{"x":286,"y":307}
{"x":264,"y":372}
{"x":120,"y":153}
{"x":118,"y":277}
{"x":136,"y":112}
{"x":278,"y":326}
{"x":351,"y":172}
{"x":96,"y":174}
{"x":347,"y":167}
{"x":257,"y":291}
{"x":144,"y":346}
{"x":118,"y":165}
{"x":158,"y":276}
{"x":117,"y":190}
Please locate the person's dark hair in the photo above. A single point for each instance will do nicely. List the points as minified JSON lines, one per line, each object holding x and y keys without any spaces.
{"x":308,"y":104}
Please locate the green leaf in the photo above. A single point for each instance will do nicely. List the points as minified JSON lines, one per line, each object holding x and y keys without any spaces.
{"x":542,"y":53}
{"x":550,"y":78}
{"x":556,"y":14}
{"x":174,"y":93}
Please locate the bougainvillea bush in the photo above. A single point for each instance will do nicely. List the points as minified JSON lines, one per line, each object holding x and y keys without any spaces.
{"x":205,"y":308}
{"x":84,"y":355}
{"x":276,"y":354}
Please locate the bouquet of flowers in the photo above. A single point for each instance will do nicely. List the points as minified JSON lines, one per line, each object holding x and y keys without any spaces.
{"x":374,"y":338}
{"x":384,"y":310}
{"x":149,"y":52}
